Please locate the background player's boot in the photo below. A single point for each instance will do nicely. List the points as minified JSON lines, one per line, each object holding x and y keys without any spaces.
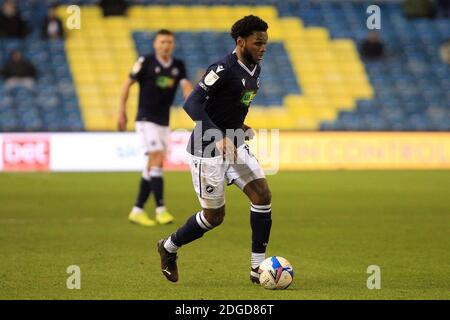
{"x":141,"y":218}
{"x":163,"y":216}
{"x":168,"y":262}
{"x":254,"y":275}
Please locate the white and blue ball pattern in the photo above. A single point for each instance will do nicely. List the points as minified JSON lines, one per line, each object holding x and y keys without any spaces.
{"x":276,"y":273}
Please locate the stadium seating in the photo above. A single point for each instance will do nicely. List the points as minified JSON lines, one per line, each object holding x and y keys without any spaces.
{"x":305,"y":56}
{"x":411,"y":83}
{"x":313,"y":79}
{"x":202,"y":48}
{"x":53,"y":104}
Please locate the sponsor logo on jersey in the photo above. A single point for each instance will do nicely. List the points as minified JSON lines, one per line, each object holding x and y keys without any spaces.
{"x":247,"y":97}
{"x":211,"y":78}
{"x":165,"y":82}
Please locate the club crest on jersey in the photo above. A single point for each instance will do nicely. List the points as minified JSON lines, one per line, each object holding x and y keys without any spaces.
{"x":211,"y":78}
{"x":157,"y":69}
{"x":243,"y":82}
{"x":175,"y":72}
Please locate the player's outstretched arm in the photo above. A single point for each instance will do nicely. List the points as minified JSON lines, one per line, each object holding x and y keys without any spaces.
{"x":122,"y":120}
{"x":187,"y":88}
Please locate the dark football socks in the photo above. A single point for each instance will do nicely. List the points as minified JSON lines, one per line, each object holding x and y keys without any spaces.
{"x":193,"y":229}
{"x":144,"y":190}
{"x":261,"y":223}
{"x":157,"y":185}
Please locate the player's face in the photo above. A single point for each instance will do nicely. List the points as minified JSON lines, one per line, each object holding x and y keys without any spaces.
{"x":255,"y":46}
{"x":164,"y":45}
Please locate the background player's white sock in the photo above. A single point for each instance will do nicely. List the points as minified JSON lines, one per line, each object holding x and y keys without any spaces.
{"x":136,"y":210}
{"x":160,"y":210}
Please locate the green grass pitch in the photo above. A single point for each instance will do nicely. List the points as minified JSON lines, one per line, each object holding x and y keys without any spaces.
{"x":330,"y":225}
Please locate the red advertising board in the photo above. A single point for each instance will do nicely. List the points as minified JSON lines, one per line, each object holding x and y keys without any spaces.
{"x":26,"y":152}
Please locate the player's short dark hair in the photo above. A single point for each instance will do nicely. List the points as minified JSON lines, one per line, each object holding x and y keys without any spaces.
{"x":164,"y":32}
{"x":247,"y":25}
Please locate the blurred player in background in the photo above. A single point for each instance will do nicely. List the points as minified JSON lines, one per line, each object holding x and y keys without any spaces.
{"x":220,"y":103}
{"x":158,"y":76}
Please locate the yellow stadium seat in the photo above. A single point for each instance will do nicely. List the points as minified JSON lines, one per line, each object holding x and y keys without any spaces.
{"x":136,"y":12}
{"x":179,"y":119}
{"x":219,"y":12}
{"x":88,"y":89}
{"x":310,"y":78}
{"x":84,"y":78}
{"x":266,"y":13}
{"x":99,"y":45}
{"x":319,"y":101}
{"x":177,"y":12}
{"x":324,"y":56}
{"x":363,"y":92}
{"x":139,"y":23}
{"x":91,"y":11}
{"x":201,"y":13}
{"x":82,"y":67}
{"x":296,"y":105}
{"x":77,"y":43}
{"x":240,"y":11}
{"x":317,"y":34}
{"x":305,"y":118}
{"x":108,"y":79}
{"x":314,"y":89}
{"x":104,"y":66}
{"x":91,"y":103}
{"x":338,"y":89}
{"x":325,"y":113}
{"x":292,"y":24}
{"x":155,"y":12}
{"x":343,"y":102}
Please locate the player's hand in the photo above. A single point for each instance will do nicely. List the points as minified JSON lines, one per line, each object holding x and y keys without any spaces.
{"x":228,"y":150}
{"x":122,"y":122}
{"x":249,"y":132}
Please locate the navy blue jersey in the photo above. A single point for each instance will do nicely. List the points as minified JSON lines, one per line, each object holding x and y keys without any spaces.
{"x":227,"y":89}
{"x":157,"y":87}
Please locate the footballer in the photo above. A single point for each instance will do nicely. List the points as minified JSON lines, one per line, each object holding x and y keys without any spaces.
{"x":219,"y":105}
{"x":158,"y":75}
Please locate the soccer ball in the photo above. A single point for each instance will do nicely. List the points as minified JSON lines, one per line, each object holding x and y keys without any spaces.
{"x":275,"y":273}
